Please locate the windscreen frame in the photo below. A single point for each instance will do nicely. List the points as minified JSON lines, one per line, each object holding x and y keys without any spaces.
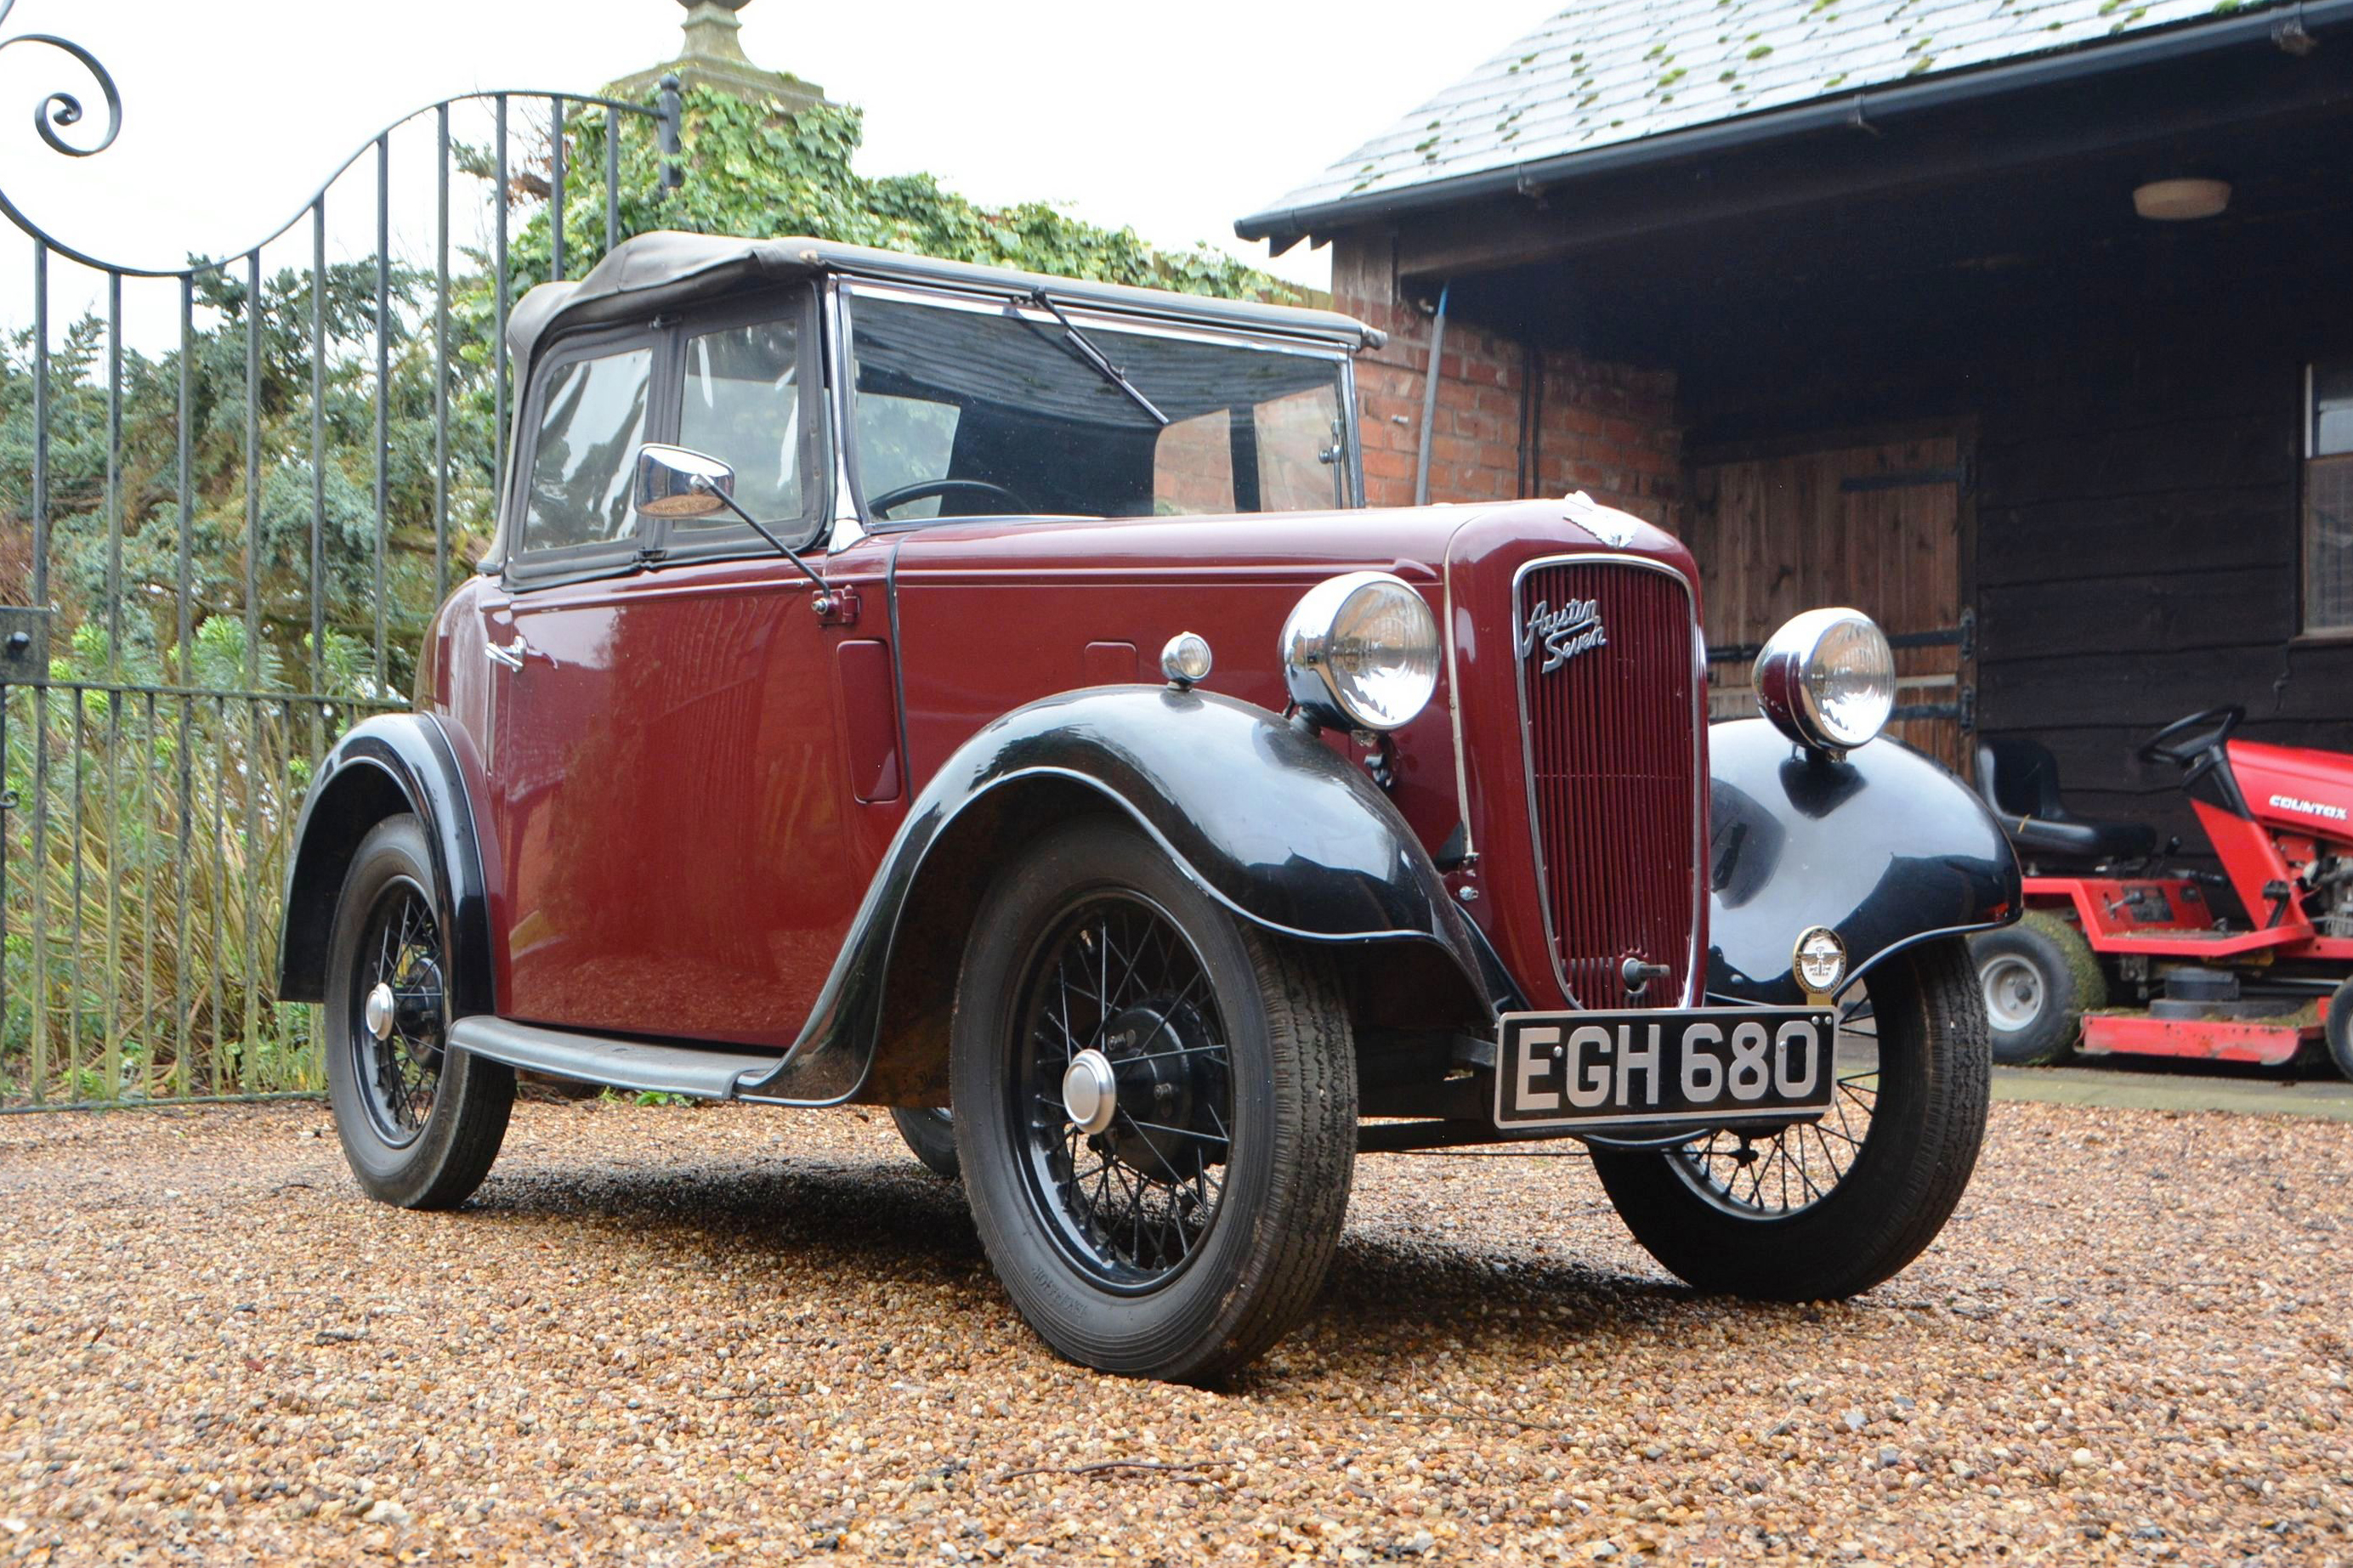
{"x":849,"y":289}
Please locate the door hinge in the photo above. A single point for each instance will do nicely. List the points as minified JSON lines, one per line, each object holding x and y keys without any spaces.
{"x":836,"y":607}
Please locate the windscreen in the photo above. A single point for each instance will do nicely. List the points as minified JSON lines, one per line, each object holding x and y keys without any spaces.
{"x":1006,"y":410}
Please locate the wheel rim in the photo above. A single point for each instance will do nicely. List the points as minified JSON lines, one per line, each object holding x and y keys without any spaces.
{"x":1116,"y":984}
{"x":397,"y":1017}
{"x":1776,"y":1175}
{"x":2013,"y":992}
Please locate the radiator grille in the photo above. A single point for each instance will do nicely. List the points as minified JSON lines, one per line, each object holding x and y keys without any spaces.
{"x":1612,"y":758}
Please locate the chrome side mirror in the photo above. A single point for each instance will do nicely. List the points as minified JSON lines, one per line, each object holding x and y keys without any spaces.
{"x":674,"y":481}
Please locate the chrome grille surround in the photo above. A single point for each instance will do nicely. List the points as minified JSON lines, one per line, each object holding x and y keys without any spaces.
{"x":1554,"y":841}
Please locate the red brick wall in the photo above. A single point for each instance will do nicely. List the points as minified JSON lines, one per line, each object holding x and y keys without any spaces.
{"x":1607,"y":429}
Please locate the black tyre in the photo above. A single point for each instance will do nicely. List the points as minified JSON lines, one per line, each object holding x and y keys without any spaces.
{"x":1179,"y":1221}
{"x":2337,"y":1024}
{"x":420,"y":1122}
{"x":2037,"y":979}
{"x":930,"y":1133}
{"x":1822,"y":1210}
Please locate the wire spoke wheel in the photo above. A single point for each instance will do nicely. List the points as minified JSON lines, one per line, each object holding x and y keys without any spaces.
{"x":1819,"y":1210}
{"x":1774,"y":1175}
{"x":398,"y":1015}
{"x":1156,"y":1108}
{"x":1125,"y":1090}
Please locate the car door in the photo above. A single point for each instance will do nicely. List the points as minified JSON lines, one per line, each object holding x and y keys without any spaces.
{"x":671,"y":806}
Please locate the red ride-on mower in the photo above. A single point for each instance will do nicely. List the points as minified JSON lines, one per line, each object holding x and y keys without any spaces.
{"x":2117,"y":953}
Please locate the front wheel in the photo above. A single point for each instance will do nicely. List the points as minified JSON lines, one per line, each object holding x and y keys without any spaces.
{"x":420,"y":1120}
{"x":1824,"y":1209}
{"x":1155,"y":1110}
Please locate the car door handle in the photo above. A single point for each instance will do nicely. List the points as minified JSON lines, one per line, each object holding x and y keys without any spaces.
{"x":513,"y":655}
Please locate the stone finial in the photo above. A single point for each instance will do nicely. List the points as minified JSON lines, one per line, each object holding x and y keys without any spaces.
{"x":715,"y":58}
{"x":711,"y":30}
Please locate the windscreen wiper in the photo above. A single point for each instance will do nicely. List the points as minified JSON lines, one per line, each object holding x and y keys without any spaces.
{"x":1082,"y":348}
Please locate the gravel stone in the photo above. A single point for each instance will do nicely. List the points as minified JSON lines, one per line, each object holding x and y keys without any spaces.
{"x":664,"y":1335}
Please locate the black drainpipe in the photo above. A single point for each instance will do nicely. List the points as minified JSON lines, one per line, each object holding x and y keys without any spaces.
{"x":1531,"y":418}
{"x":1430,"y":400}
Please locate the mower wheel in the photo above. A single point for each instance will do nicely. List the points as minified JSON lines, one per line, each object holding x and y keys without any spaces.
{"x":2337,"y":1024}
{"x":2039,"y":977}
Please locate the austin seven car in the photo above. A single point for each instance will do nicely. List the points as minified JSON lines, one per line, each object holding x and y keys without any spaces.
{"x":988,"y":696}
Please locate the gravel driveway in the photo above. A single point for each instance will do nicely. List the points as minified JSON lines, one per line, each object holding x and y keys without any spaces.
{"x":670,"y":1335}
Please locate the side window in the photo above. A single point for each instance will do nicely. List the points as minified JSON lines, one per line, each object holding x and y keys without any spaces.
{"x":1299,"y":450}
{"x":743,"y":406}
{"x":583,"y":464}
{"x":2329,"y":500}
{"x":1275,"y":456}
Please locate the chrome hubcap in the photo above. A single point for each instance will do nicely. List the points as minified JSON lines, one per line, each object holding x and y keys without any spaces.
{"x":2013,"y":993}
{"x":380,"y":1011}
{"x":1089,"y":1091}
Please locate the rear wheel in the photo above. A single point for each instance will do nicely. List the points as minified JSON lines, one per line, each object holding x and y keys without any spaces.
{"x":1155,"y":1110}
{"x":929,"y":1133}
{"x":2037,"y":980}
{"x":420,"y":1121}
{"x":1825,"y":1209}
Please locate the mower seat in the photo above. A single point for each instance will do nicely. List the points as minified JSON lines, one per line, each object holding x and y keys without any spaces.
{"x":2019,"y":779}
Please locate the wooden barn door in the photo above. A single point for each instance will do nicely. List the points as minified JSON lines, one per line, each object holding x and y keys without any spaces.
{"x":1880,"y":527}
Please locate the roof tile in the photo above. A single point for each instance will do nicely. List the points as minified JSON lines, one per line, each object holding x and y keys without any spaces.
{"x":1613,"y":71}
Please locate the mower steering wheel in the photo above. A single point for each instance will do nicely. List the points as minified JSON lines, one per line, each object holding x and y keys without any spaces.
{"x":2211,"y":726}
{"x":923,"y":488}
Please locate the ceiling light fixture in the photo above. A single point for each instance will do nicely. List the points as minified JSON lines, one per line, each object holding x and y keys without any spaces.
{"x":2181,"y":201}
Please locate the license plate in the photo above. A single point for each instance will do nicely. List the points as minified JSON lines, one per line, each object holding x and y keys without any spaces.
{"x":1705,"y":1066}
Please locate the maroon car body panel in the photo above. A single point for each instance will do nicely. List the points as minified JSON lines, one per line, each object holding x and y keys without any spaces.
{"x":670,"y":781}
{"x":688,"y":789}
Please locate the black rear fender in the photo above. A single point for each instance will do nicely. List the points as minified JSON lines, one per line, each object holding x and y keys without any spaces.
{"x":392,"y":764}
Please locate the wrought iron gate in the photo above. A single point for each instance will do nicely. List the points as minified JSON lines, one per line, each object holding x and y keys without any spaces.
{"x":206,"y":593}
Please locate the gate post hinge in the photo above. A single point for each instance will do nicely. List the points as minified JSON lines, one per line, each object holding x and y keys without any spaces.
{"x":836,"y":607}
{"x":24,"y":643}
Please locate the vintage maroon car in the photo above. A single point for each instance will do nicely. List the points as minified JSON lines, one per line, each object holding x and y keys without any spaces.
{"x":925,"y":686}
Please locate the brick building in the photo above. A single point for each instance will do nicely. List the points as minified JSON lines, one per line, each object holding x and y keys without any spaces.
{"x":2022,"y":324}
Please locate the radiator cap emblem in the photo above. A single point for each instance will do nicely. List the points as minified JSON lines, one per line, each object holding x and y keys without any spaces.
{"x":1607,"y":524}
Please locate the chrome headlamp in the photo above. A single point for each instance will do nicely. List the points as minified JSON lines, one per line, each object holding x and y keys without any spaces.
{"x":1826,"y":679}
{"x":1360,"y":651}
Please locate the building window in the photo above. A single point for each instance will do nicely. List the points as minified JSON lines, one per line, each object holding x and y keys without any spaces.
{"x":2329,"y":499}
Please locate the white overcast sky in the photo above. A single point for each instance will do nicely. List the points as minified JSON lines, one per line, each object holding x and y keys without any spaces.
{"x":1176,"y":119}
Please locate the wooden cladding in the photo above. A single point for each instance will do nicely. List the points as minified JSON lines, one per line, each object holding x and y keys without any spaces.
{"x":1875,"y":527}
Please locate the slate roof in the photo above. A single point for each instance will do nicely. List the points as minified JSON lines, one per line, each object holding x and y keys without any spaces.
{"x":1613,"y":71}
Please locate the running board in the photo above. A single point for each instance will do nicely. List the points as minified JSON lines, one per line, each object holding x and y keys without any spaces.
{"x":706,"y":1074}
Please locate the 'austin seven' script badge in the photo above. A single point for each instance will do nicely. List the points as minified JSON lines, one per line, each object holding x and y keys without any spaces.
{"x":1562,"y":634}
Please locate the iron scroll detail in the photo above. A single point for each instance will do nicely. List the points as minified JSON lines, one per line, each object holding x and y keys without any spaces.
{"x":61,"y":110}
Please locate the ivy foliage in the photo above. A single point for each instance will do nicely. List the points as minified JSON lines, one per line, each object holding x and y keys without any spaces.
{"x":751,"y":170}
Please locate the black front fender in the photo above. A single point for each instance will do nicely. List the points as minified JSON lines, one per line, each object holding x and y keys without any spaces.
{"x":1884,"y":847}
{"x":391,"y":764}
{"x":1258,"y":813}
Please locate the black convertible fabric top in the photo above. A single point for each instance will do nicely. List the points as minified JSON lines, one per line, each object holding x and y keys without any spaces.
{"x":666,"y":269}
